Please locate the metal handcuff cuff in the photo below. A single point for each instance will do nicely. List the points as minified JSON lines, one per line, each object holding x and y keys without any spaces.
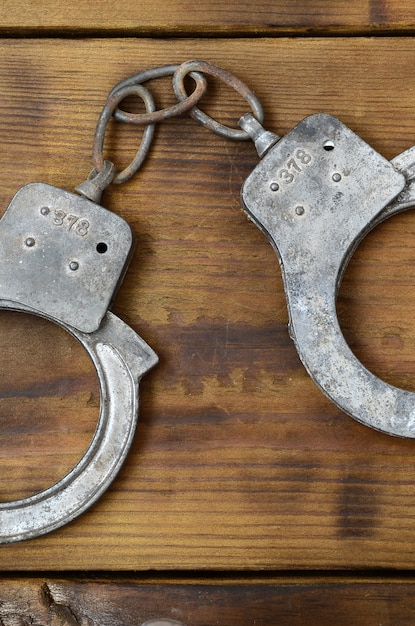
{"x":316,"y":193}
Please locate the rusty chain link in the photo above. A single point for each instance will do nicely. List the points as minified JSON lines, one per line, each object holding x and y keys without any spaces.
{"x":133,"y":86}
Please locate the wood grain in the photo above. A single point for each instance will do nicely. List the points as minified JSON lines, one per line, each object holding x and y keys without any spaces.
{"x":228,"y":602}
{"x":206,"y":18}
{"x":239,"y":462}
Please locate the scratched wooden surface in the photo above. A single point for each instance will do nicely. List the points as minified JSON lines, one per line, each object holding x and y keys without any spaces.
{"x":239,"y":463}
{"x":90,"y":602}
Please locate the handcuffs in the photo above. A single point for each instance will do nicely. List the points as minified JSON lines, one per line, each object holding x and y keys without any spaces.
{"x":315,"y":194}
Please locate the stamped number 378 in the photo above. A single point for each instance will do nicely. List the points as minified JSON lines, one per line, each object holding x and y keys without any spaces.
{"x":72,"y":223}
{"x":294,"y":166}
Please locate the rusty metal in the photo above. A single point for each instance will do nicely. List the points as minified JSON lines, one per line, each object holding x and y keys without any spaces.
{"x":154,"y":73}
{"x":186,"y":104}
{"x":176,"y":110}
{"x":63,"y":258}
{"x":98,"y":146}
{"x":229,"y":79}
{"x":96,"y":182}
{"x":133,"y":86}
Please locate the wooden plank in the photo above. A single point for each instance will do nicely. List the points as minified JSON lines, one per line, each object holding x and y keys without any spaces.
{"x":208,"y":17}
{"x":239,"y":461}
{"x":131,"y":602}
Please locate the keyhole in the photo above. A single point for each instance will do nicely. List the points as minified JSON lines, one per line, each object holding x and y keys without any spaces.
{"x":328,"y":145}
{"x":102,"y":247}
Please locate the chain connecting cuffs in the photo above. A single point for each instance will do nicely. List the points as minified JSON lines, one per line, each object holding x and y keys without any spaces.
{"x":315,"y":194}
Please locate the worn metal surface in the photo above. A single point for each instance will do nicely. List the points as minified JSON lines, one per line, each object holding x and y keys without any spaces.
{"x":121,"y":358}
{"x":263,"y":139}
{"x":133,"y":86}
{"x":97,"y":181}
{"x":144,"y":76}
{"x":106,"y":114}
{"x":175,"y":110}
{"x":316,"y":194}
{"x":62,"y":255}
{"x":186,"y":104}
{"x":235,"y":134}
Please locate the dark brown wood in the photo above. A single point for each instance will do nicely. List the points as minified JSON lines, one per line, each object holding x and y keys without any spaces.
{"x":207,"y":18}
{"x":293,"y":602}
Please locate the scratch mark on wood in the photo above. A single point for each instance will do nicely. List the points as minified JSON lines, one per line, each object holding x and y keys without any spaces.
{"x":59,"y":608}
